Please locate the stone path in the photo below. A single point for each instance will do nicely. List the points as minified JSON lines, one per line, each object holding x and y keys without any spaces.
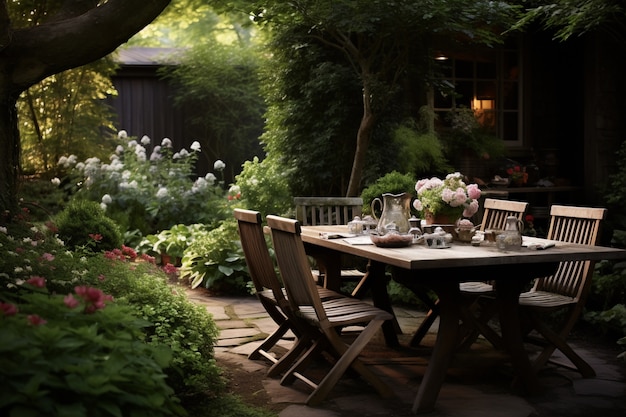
{"x":477,"y":384}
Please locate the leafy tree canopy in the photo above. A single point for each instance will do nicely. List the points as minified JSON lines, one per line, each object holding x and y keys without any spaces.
{"x":577,"y":17}
{"x":379,"y":42}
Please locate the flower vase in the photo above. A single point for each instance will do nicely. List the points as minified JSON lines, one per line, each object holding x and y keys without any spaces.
{"x":440,"y":218}
{"x":165,"y":259}
{"x":517,"y":182}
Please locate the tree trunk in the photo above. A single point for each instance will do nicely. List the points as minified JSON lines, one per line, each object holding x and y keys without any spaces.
{"x":10,"y":157}
{"x":362,"y":142}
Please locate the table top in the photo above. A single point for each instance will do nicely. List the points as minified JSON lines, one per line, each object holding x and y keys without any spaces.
{"x":459,"y":254}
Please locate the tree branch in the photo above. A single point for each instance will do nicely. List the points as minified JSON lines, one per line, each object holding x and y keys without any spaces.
{"x":50,"y":48}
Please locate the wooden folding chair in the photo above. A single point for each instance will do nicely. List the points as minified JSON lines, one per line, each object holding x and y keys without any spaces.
{"x":269,"y":289}
{"x":327,"y":316}
{"x":495,"y":212}
{"x":322,"y":211}
{"x":566,"y":290}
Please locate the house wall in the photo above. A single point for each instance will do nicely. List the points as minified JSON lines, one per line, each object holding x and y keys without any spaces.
{"x":605,"y":105}
{"x":145,"y":106}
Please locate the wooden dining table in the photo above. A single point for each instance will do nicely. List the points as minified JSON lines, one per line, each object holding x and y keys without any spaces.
{"x":441,"y":270}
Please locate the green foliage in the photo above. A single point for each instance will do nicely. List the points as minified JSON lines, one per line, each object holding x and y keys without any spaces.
{"x":613,"y":319}
{"x":60,"y":359}
{"x":215,"y":260}
{"x":184,"y":327}
{"x":168,"y":318}
{"x":422,"y":151}
{"x":220,"y":83}
{"x":264,"y":187}
{"x":80,"y":221}
{"x":41,"y":198}
{"x":328,"y":55}
{"x":465,"y":134}
{"x":187,"y":23}
{"x":173,"y":241}
{"x":393,"y":182}
{"x":399,"y":294}
{"x":576,"y":17}
{"x":66,"y":111}
{"x":312,"y":116}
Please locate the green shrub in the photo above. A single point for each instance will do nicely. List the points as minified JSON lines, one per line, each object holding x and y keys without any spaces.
{"x":264,"y":187}
{"x":421,"y":150}
{"x":42,"y":197}
{"x":187,"y":329}
{"x":216,"y":261}
{"x":149,"y":187}
{"x":81,"y":221}
{"x":173,"y":321}
{"x":77,"y":356}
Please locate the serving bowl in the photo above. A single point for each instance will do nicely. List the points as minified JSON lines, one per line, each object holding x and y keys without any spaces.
{"x":392,"y":240}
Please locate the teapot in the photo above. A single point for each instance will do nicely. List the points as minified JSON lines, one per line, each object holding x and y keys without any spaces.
{"x":511,"y":237}
{"x":395,"y":213}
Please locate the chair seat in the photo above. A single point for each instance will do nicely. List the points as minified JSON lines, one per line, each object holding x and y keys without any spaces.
{"x":343,"y":312}
{"x":345,"y":273}
{"x":324,"y":293}
{"x":545,"y":300}
{"x":476,"y":287}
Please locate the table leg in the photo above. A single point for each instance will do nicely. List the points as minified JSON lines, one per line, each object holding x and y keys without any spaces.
{"x":508,"y":292}
{"x":445,"y":345}
{"x":380,"y":296}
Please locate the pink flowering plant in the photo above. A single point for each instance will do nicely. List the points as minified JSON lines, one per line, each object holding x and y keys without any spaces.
{"x":95,"y":322}
{"x":448,"y":197}
{"x":79,"y":351}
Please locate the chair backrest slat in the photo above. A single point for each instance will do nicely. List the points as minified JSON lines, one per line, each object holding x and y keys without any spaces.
{"x":294,"y":265}
{"x":319,"y":211}
{"x":496,"y":211}
{"x":258,"y":259}
{"x":573,"y":225}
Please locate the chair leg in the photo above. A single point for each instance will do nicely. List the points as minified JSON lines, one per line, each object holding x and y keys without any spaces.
{"x":269,"y":342}
{"x":480,"y":325}
{"x":314,"y":349}
{"x":349,"y":358}
{"x":282,"y":364}
{"x":428,"y":321}
{"x":557,"y":341}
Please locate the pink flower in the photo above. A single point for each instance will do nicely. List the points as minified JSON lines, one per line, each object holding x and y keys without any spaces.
{"x":94,"y":298}
{"x":473,"y":191}
{"x":35,"y":320}
{"x":459,"y":198}
{"x":47,"y":257}
{"x":471,"y":209}
{"x":447,"y":195}
{"x":36,"y":281}
{"x":148,"y":258}
{"x":101,"y":277}
{"x":8,"y":309}
{"x":170,"y":269}
{"x":70,"y":301}
{"x":96,"y":236}
{"x":130,"y":252}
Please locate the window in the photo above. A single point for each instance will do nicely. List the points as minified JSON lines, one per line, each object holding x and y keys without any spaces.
{"x":488,"y":82}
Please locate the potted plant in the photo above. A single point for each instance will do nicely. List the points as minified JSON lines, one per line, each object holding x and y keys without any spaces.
{"x":445,"y":201}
